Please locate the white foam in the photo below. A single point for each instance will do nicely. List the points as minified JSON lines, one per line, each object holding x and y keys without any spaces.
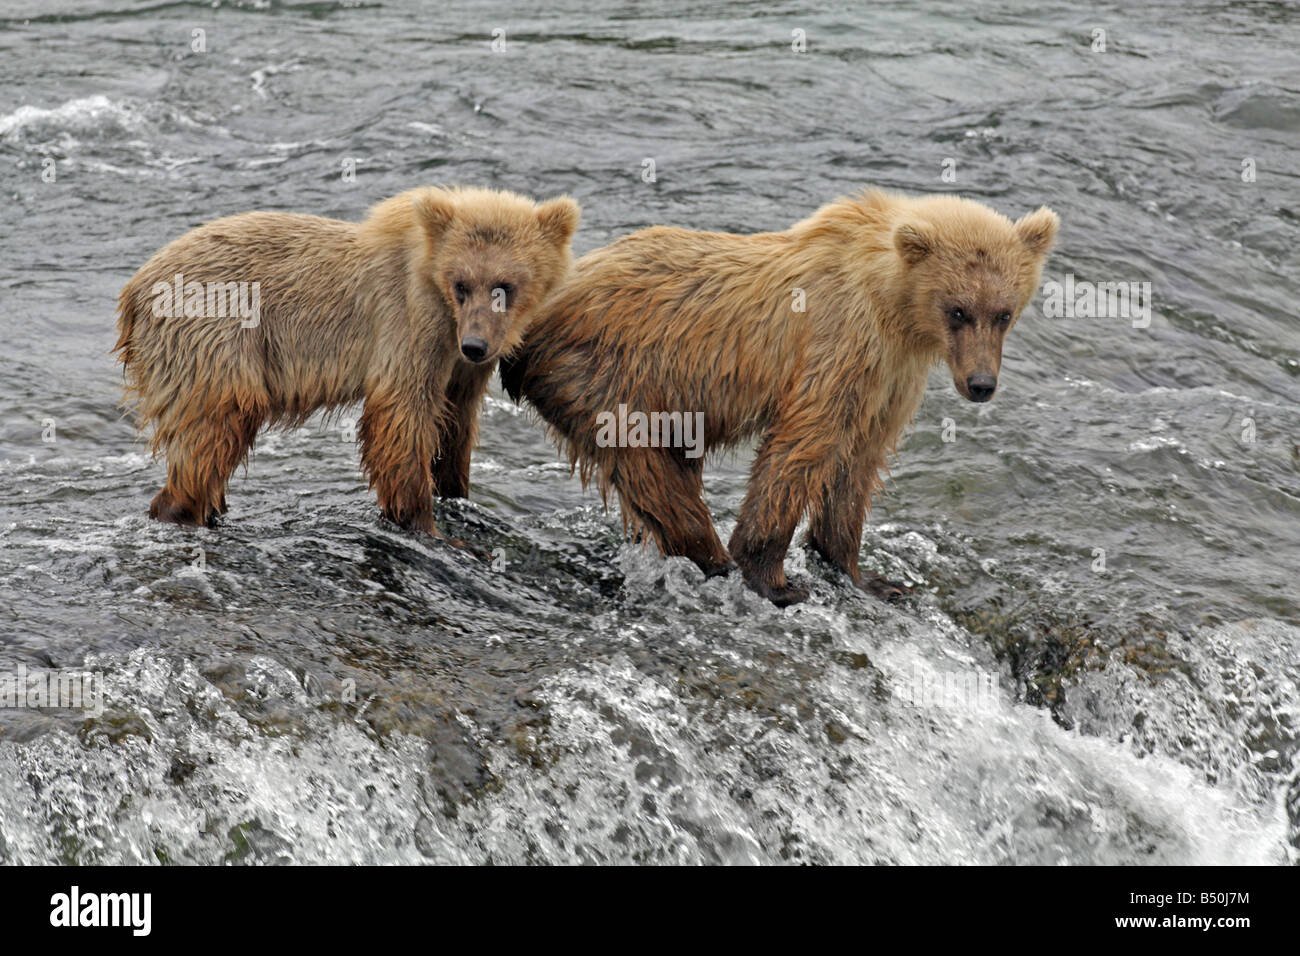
{"x":89,"y":114}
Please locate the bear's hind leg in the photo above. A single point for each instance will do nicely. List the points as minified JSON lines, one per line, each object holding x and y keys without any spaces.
{"x":202,"y":454}
{"x":175,"y":506}
{"x":663,"y":494}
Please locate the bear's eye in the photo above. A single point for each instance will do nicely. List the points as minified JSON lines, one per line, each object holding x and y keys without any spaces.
{"x":957,"y":316}
{"x":1004,"y":318}
{"x":461,"y":292}
{"x":507,"y":290}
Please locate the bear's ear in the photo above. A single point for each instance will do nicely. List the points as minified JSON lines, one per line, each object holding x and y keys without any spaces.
{"x":914,"y":241}
{"x":558,"y":218}
{"x":1037,"y":230}
{"x":434,"y":211}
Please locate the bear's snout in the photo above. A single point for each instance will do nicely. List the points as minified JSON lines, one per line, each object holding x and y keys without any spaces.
{"x":474,"y":349}
{"x":980,"y":388}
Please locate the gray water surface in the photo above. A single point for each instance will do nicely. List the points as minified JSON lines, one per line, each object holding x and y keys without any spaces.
{"x":1102,"y":664}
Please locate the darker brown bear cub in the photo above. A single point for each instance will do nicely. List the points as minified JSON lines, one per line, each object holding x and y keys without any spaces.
{"x":263,"y":318}
{"x":816,"y":340}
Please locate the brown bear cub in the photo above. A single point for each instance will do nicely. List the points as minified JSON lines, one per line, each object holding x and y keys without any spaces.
{"x":263,"y":318}
{"x":816,"y":340}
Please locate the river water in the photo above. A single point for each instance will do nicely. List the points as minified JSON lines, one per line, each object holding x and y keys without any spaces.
{"x":1102,"y":662}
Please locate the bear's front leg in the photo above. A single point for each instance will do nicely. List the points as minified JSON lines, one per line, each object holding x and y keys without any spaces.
{"x":459,"y":429}
{"x":398,"y":440}
{"x":835,"y":528}
{"x":785,"y":478}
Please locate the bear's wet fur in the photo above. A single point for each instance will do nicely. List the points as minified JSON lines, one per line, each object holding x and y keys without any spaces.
{"x":816,"y":341}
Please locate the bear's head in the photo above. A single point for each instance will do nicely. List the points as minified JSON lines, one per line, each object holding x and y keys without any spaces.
{"x":494,"y":256}
{"x":969,"y":271}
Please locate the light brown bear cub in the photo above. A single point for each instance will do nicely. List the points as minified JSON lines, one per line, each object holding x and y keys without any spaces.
{"x":816,"y":340}
{"x":263,"y":318}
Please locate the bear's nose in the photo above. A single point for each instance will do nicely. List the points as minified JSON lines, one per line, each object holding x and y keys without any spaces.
{"x":981,"y":387}
{"x":474,"y":349}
